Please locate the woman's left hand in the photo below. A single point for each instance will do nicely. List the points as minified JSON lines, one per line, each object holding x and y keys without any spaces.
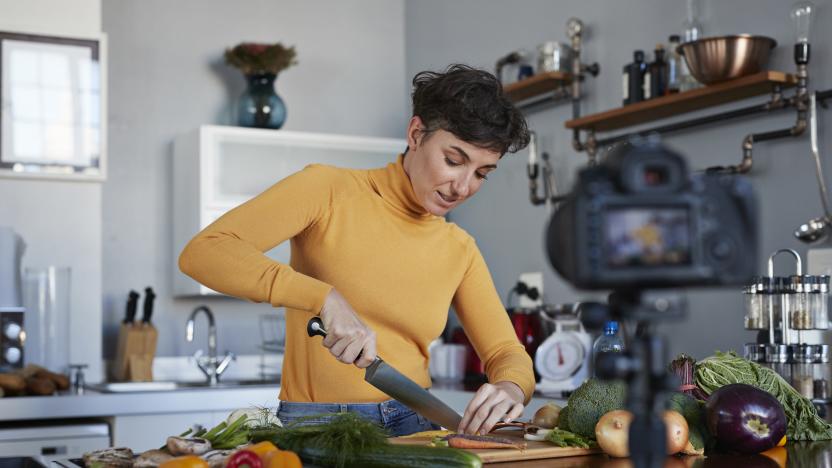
{"x":491,"y":404}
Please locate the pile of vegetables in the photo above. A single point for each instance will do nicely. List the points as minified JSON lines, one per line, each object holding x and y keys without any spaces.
{"x":588,"y":403}
{"x":728,"y":368}
{"x":351,"y":441}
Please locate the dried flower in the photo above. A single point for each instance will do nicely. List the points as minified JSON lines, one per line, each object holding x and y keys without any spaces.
{"x":252,"y":58}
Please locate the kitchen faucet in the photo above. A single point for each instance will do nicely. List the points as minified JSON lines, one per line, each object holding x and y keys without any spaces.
{"x":210,"y":365}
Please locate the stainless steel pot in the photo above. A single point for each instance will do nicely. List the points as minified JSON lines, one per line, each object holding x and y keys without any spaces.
{"x":714,"y":59}
{"x":554,"y":56}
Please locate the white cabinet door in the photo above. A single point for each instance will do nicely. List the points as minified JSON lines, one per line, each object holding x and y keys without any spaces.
{"x":217,"y":168}
{"x":149,"y":431}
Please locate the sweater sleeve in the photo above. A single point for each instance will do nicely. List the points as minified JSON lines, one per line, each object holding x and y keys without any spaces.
{"x":228,"y":255}
{"x":487,"y":325}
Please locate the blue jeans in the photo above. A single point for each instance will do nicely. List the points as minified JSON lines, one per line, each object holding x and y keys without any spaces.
{"x":396,"y":418}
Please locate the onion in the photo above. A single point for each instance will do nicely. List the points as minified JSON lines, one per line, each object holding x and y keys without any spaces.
{"x":612,"y":431}
{"x":547,"y":416}
{"x":677,"y":431}
{"x":745,"y":419}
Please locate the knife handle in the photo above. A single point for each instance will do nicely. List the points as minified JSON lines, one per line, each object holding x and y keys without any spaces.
{"x":132,"y":305}
{"x":315,"y":327}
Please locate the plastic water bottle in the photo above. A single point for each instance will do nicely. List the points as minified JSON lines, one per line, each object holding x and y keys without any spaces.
{"x":609,"y":342}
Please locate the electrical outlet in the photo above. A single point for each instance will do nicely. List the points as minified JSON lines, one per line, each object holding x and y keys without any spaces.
{"x":532,"y":280}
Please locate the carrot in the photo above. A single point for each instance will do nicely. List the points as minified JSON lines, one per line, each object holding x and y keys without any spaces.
{"x":466,"y":441}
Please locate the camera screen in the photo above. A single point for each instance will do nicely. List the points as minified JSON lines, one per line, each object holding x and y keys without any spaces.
{"x":646,"y":237}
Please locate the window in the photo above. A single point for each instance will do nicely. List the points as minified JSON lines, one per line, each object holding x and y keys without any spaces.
{"x":52,"y":108}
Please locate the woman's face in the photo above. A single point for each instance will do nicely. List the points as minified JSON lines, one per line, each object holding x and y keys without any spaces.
{"x":444,"y":170}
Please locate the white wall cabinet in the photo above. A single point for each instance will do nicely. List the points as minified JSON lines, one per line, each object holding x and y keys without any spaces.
{"x":217,"y":168}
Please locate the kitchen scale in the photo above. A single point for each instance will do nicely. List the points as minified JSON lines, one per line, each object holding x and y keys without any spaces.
{"x":563,"y":359}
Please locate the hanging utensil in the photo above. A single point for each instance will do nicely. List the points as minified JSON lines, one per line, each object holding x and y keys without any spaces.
{"x":817,"y":228}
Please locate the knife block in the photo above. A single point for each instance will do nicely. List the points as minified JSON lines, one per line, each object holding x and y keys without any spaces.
{"x":135,"y":352}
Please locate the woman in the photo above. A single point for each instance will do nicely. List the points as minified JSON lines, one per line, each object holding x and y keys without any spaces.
{"x":373,"y":255}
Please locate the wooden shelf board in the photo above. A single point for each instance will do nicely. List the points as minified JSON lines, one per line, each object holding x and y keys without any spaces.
{"x":689,"y":101}
{"x":536,"y":85}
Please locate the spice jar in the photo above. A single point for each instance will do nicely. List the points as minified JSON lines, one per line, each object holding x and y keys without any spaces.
{"x":819,"y":302}
{"x":770,"y":302}
{"x":799,"y":316}
{"x":803,"y":372}
{"x":756,"y":315}
{"x":755,"y":352}
{"x":822,"y":372}
{"x":777,"y":358}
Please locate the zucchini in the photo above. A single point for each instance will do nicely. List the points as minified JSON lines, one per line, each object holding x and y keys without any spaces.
{"x":390,"y":455}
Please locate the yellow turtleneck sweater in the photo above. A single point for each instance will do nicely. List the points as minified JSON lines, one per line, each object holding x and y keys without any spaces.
{"x":401,"y":268}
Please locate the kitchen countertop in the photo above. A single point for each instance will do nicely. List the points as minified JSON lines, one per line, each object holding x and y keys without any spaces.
{"x":183,"y":400}
{"x":93,"y":404}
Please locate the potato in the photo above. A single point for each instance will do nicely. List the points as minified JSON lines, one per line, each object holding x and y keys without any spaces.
{"x":61,"y":381}
{"x":12,"y":383}
{"x":37,"y":386}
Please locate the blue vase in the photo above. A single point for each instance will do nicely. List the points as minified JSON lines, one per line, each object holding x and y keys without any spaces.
{"x":259,"y":105}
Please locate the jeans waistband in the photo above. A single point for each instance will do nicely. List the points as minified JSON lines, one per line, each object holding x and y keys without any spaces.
{"x":381,"y":412}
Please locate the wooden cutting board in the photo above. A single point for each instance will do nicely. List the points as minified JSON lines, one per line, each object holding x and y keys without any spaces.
{"x":534,"y":450}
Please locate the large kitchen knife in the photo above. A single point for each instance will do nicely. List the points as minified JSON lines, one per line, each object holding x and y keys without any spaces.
{"x":392,"y":382}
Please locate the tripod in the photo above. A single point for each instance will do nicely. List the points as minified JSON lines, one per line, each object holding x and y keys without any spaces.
{"x":643,"y":366}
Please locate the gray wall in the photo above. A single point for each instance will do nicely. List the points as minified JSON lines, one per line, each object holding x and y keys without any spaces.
{"x":509,"y":230}
{"x":60,"y":221}
{"x":167,"y":78}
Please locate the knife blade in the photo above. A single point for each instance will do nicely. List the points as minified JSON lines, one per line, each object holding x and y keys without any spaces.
{"x":399,"y":387}
{"x":132,"y":305}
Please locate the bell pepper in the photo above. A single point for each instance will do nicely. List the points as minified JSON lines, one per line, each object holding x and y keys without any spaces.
{"x":263,"y":449}
{"x":187,"y":461}
{"x":244,"y":458}
{"x":282,"y":459}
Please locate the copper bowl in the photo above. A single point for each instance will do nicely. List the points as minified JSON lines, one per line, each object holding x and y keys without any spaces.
{"x":714,"y":59}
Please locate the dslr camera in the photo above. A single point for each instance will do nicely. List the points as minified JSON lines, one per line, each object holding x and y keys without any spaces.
{"x":640,"y":220}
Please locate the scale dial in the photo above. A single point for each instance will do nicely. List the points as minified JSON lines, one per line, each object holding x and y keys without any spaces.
{"x":559,"y":357}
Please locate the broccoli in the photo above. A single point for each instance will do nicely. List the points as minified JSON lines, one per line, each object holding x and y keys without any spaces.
{"x":563,"y":418}
{"x":694,"y":413}
{"x":589,"y":402}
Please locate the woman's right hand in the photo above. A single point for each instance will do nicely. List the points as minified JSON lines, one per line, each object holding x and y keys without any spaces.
{"x":347,"y":336}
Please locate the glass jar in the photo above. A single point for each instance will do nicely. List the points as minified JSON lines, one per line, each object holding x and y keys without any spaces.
{"x":46,"y":296}
{"x":770,"y":302}
{"x":756,"y":317}
{"x":777,"y":358}
{"x":820,"y":302}
{"x":803,"y":369}
{"x":799,"y":316}
{"x":755,"y":352}
{"x":822,"y":372}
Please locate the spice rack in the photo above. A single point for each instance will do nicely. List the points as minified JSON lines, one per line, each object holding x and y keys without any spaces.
{"x":786,"y":307}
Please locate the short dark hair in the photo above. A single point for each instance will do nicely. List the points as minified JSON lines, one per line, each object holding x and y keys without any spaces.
{"x":470,"y":104}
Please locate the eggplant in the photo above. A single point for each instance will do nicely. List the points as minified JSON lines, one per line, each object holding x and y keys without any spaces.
{"x":745,"y":419}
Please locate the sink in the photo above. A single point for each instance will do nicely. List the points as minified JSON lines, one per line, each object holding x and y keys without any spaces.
{"x":164,"y":386}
